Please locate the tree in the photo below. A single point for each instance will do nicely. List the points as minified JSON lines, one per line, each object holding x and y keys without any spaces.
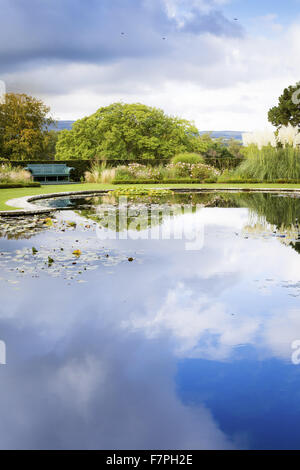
{"x":49,"y":146}
{"x":129,"y":131}
{"x":235,"y":147}
{"x":23,"y":127}
{"x":288,"y":109}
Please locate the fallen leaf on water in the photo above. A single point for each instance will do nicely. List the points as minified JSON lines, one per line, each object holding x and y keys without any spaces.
{"x":71,"y":224}
{"x":48,"y":222}
{"x":77,"y":252}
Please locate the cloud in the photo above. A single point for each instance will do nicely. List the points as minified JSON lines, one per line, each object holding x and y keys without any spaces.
{"x":197,"y":16}
{"x":89,"y":369}
{"x":96,"y":387}
{"x":209,"y":68}
{"x":91,"y":31}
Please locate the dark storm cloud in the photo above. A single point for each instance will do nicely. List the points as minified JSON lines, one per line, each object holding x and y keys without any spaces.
{"x":90,"y":31}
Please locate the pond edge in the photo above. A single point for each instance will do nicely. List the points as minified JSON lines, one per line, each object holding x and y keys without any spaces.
{"x":26,"y":208}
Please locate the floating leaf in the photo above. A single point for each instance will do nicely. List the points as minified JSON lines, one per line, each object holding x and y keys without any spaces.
{"x":77,"y":252}
{"x":71,"y":224}
{"x":48,"y":221}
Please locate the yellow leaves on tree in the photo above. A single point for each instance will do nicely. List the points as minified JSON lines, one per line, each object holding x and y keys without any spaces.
{"x":23,"y":127}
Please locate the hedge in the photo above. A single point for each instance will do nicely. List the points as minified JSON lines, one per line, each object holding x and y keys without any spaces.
{"x":176,"y":181}
{"x":19,"y":185}
{"x":224,"y":163}
{"x":256,"y":181}
{"x":80,"y":166}
{"x":241,"y":181}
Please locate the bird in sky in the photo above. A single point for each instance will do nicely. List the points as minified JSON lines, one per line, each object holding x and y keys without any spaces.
{"x":235,"y":19}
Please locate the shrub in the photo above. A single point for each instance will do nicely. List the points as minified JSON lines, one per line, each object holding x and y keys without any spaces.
{"x":165,"y":181}
{"x":123,"y":173}
{"x":269,"y":164}
{"x":108,"y":175}
{"x":99,"y":173}
{"x":179,"y":170}
{"x":284,"y":136}
{"x":199,"y":171}
{"x":230,"y":176}
{"x":10,"y":174}
{"x":138,"y":171}
{"x":92,"y":176}
{"x":186,"y":157}
{"x":202,"y":171}
{"x":172,"y":171}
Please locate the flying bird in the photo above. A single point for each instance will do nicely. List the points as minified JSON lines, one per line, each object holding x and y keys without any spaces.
{"x":235,"y":19}
{"x":164,"y":39}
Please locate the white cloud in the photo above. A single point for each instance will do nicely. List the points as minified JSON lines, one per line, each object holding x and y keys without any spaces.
{"x":221,"y":81}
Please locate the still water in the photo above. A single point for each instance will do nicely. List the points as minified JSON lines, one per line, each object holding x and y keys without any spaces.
{"x":146,"y":341}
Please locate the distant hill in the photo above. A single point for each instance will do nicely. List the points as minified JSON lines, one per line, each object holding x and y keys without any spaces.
{"x":225,"y":134}
{"x":61,"y":125}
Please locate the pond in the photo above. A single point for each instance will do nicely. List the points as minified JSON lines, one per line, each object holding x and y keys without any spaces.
{"x":152,"y":323}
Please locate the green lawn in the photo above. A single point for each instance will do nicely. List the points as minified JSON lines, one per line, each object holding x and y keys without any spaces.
{"x":6,"y":194}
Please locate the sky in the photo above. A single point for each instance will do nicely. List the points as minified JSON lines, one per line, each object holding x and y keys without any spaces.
{"x":219,"y":63}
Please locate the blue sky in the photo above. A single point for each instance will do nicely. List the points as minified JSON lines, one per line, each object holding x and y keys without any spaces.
{"x":210,"y":68}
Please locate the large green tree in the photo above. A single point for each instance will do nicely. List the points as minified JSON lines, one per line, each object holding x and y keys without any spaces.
{"x":288,"y":109}
{"x":24,"y":126}
{"x":129,"y":131}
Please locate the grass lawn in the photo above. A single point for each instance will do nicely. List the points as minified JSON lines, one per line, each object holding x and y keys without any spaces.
{"x":6,"y":194}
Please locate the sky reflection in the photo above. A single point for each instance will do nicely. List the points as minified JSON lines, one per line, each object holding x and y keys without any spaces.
{"x":178,"y":349}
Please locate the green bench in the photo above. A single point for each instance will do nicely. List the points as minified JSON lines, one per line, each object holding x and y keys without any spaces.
{"x":51,"y":172}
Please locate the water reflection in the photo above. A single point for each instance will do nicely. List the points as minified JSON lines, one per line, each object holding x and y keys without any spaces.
{"x":178,"y":349}
{"x":266,"y":210}
{"x":21,"y":227}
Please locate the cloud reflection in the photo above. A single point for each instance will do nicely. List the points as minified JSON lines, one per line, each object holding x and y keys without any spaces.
{"x":87,"y":368}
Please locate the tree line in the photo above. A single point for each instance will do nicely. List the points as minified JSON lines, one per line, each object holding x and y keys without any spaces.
{"x":119,"y":131}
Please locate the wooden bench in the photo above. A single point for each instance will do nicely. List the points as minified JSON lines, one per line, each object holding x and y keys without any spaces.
{"x":52,"y":171}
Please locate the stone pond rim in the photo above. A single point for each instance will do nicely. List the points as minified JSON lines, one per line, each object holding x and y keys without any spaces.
{"x":26,"y":208}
